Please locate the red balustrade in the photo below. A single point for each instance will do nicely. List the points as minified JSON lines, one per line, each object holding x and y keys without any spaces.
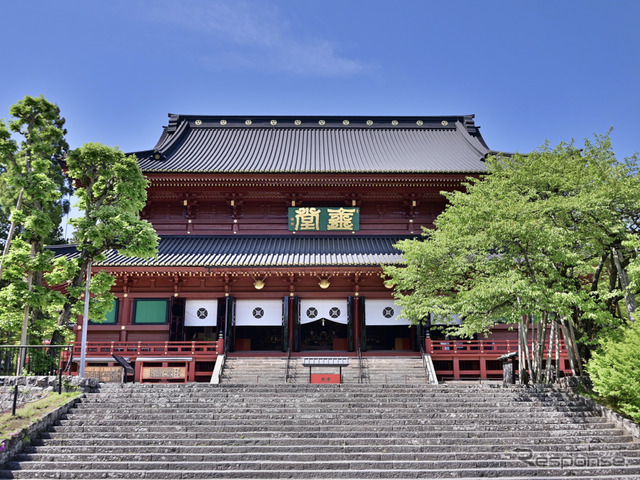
{"x":473,"y":359}
{"x":475,"y":347}
{"x":198,"y":350}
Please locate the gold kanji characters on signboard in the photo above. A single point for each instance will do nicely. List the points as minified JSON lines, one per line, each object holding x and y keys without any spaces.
{"x":321,"y":219}
{"x":307,"y":218}
{"x":340,"y":218}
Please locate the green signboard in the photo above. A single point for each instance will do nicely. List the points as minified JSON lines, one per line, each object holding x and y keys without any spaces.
{"x":323,"y":219}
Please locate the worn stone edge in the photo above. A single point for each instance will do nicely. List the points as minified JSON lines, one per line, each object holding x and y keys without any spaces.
{"x":621,"y":422}
{"x":14,"y":445}
{"x":572,"y":384}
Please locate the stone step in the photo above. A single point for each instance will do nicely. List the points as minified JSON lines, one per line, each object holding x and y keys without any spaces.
{"x":287,"y":412}
{"x":315,"y":416}
{"x":630,"y":472}
{"x":145,"y":433}
{"x":134,"y":418}
{"x":371,"y":407}
{"x":453,"y":412}
{"x":393,"y":370}
{"x":198,"y":464}
{"x":298,"y":398}
{"x":254,"y":370}
{"x":423,"y":409}
{"x":330,"y":428}
{"x":329,"y":396}
{"x":256,"y":405}
{"x":461,"y":413}
{"x":325,"y":391}
{"x":309,"y":456}
{"x":457,"y":389}
{"x":355,"y":390}
{"x":39,"y":447}
{"x":506,"y":441}
{"x":363,"y":419}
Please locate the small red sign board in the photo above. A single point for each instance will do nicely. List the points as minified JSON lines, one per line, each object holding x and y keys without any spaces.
{"x":325,"y":378}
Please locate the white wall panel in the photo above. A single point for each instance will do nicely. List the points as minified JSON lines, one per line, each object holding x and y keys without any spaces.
{"x":383,"y":312}
{"x":334,"y":310}
{"x":201,"y":313}
{"x":258,"y":313}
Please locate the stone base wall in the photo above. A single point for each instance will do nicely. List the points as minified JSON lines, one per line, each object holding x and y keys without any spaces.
{"x":31,"y":389}
{"x":10,"y":447}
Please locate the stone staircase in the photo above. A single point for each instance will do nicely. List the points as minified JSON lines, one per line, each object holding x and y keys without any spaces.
{"x":391,"y":370}
{"x":254,"y":370}
{"x":329,"y":432}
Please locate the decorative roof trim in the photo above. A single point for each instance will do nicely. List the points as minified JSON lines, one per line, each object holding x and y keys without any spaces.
{"x":445,"y":122}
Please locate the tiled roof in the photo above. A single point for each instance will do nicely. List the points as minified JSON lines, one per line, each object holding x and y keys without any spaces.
{"x":265,"y":251}
{"x":317,"y":145}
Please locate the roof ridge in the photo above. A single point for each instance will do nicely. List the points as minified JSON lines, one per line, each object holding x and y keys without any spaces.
{"x":301,"y":144}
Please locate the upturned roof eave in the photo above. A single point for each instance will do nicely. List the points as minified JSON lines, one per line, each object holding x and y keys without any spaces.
{"x":318,"y":172}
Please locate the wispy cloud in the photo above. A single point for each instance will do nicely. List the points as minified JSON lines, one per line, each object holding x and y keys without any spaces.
{"x":256,"y":35}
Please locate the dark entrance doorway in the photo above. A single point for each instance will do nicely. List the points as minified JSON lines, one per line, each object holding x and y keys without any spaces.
{"x":389,"y":337}
{"x":324,"y":334}
{"x":264,"y":337}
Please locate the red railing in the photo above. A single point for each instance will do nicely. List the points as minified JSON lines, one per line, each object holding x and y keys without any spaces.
{"x":198,"y":350}
{"x":473,"y":359}
{"x":478,"y":347}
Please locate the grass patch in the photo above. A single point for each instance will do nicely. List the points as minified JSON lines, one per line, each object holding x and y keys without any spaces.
{"x":32,"y":412}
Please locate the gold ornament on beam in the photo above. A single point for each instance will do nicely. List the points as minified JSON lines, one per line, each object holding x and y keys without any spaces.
{"x":324,"y":282}
{"x":258,"y":283}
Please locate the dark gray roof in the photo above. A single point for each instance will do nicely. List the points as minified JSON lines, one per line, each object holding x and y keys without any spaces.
{"x":267,"y":251}
{"x":208,"y":144}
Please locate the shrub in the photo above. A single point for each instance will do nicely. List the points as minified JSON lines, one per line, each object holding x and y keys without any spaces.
{"x":615,"y":370}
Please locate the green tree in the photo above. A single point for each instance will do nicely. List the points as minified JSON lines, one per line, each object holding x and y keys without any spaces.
{"x":111,"y":192}
{"x":543,"y":241}
{"x":40,"y":293}
{"x":32,"y":147}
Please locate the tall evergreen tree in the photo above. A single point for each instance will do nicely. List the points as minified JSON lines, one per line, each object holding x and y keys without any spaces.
{"x":32,"y":171}
{"x":39,"y":294}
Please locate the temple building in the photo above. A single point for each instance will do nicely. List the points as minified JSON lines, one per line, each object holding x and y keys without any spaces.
{"x":274,"y":229}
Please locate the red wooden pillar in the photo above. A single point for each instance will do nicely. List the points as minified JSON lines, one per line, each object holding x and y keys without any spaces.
{"x":125,"y":312}
{"x":428,"y":345}
{"x":456,"y":368}
{"x":138,"y":372}
{"x":190,"y":374}
{"x":220,"y":344}
{"x":483,"y":368}
{"x":124,"y":317}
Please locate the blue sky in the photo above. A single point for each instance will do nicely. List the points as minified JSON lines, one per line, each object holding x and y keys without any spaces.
{"x":530,"y":71}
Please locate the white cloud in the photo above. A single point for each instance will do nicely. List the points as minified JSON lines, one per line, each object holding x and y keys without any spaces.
{"x":255,"y":36}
